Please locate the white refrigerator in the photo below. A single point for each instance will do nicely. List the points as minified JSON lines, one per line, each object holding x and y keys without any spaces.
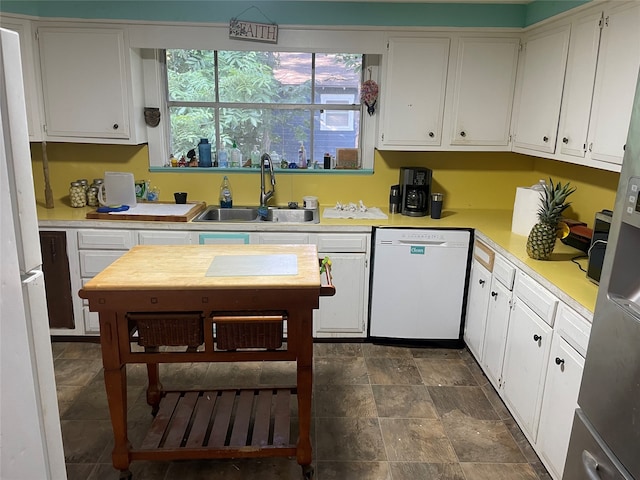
{"x":30,"y":434}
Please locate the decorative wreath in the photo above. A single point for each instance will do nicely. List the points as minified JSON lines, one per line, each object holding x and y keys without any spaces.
{"x":369,"y":95}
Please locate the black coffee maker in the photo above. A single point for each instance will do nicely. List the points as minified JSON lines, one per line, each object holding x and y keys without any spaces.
{"x":415,"y":190}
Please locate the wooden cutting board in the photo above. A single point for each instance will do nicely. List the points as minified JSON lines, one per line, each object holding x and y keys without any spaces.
{"x":154,"y":211}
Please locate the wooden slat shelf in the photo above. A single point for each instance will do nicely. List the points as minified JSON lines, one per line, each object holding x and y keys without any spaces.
{"x":222,"y":423}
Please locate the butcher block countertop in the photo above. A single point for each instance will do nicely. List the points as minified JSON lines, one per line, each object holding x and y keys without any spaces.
{"x":157,"y":267}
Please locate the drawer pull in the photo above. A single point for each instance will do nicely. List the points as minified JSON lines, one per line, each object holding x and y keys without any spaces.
{"x":559,"y":361}
{"x":481,"y":282}
{"x":536,"y":338}
{"x":494,"y":294}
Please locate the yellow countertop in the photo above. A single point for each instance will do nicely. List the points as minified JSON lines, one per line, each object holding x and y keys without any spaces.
{"x":559,"y":274}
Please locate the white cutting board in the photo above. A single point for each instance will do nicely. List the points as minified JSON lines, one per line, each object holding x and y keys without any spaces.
{"x":253,"y":265}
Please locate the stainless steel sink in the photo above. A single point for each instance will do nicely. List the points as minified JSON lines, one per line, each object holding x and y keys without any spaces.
{"x":286,"y":215}
{"x":250,"y":214}
{"x":238,"y":214}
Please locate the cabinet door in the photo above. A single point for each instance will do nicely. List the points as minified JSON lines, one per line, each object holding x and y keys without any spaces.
{"x":483,"y":96}
{"x":414,"y":87}
{"x":57,"y":279}
{"x":578,"y":89}
{"x":618,"y":63}
{"x":23,"y":27}
{"x":541,"y":83}
{"x":477,"y":302}
{"x":495,"y":337}
{"x":525,"y":366}
{"x":560,"y":401}
{"x":344,"y":314}
{"x":84,"y":82}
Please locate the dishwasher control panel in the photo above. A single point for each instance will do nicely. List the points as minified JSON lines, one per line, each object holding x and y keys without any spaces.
{"x":434,"y":237}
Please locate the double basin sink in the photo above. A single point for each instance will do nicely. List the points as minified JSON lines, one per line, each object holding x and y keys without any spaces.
{"x":250,"y":214}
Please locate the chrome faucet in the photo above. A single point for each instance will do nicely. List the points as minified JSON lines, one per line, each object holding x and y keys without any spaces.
{"x":265,"y":196}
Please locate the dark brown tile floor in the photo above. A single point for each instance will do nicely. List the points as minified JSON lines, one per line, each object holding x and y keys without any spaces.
{"x":379,"y":413}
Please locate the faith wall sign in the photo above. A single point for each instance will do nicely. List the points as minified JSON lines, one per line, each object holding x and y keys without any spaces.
{"x":252,"y":31}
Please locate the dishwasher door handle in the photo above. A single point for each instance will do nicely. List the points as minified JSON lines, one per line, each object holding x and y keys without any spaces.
{"x":424,"y":243}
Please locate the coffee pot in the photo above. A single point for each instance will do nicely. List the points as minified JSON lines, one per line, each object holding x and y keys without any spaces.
{"x":415,"y":189}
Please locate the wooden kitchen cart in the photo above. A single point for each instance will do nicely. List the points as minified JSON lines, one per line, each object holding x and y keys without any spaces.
{"x":162,"y":304}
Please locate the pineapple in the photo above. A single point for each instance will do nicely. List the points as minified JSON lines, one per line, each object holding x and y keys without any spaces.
{"x":542,"y":238}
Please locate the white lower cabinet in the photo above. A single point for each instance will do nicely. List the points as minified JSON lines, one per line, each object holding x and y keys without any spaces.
{"x":525,"y":366}
{"x":564,"y":374}
{"x":495,"y":338}
{"x":477,"y":303}
{"x":97,"y":249}
{"x":344,"y":314}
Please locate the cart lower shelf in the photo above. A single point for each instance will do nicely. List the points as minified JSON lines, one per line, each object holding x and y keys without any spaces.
{"x":229,"y":423}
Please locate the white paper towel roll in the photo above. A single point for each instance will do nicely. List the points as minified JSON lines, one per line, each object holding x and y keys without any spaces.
{"x":525,"y":210}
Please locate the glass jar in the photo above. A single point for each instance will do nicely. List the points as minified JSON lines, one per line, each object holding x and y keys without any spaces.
{"x":92,"y":196}
{"x":85,"y":184}
{"x":77,"y":195}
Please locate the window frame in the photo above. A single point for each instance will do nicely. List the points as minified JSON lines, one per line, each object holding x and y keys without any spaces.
{"x":312,"y":109}
{"x":154,"y":76}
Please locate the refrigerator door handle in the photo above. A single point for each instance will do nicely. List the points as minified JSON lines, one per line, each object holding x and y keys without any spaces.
{"x":591,"y":466}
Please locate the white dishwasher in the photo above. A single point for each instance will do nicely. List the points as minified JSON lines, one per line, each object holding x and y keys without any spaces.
{"x":418,"y":283}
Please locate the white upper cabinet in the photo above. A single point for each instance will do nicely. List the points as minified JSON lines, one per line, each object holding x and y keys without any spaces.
{"x":87,"y":84}
{"x":542,"y":78}
{"x":618,"y":63}
{"x":413,"y":92}
{"x":23,"y":28}
{"x":483,"y":92}
{"x":578,"y":86}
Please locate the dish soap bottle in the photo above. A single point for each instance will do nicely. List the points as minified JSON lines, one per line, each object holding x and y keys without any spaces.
{"x":226,"y":200}
{"x":302,"y":156}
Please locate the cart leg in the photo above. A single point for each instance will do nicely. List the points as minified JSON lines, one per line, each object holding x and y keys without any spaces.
{"x":154,"y":390}
{"x":126,"y":475}
{"x":304,"y":344}
{"x":307,"y":472}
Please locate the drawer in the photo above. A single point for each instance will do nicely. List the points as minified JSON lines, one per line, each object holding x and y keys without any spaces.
{"x":536,"y":297}
{"x":106,"y":239}
{"x":93,"y":262}
{"x":149,"y":237}
{"x":483,"y":254}
{"x":504,"y":272}
{"x":342,"y":243}
{"x":573,"y":327}
{"x":284,"y":238}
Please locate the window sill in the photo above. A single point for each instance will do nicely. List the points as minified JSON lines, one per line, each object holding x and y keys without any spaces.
{"x":279,"y":171}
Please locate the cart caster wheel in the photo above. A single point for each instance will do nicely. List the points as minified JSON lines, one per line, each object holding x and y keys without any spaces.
{"x":126,"y":475}
{"x":307,"y":472}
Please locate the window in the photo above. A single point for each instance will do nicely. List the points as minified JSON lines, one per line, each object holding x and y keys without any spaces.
{"x":272,"y":100}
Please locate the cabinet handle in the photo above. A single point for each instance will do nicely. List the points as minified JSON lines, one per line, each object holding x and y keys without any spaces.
{"x":559,"y":361}
{"x":463,"y":134}
{"x":52,"y":247}
{"x":494,"y":294}
{"x":481,"y":282}
{"x":591,"y":466}
{"x":537,"y":337}
{"x":565,"y":140}
{"x":431,"y":134}
{"x":116,"y":126}
{"x":545,"y":139}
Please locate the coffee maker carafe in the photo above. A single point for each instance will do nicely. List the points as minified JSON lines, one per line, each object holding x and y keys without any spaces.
{"x":415,"y":189}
